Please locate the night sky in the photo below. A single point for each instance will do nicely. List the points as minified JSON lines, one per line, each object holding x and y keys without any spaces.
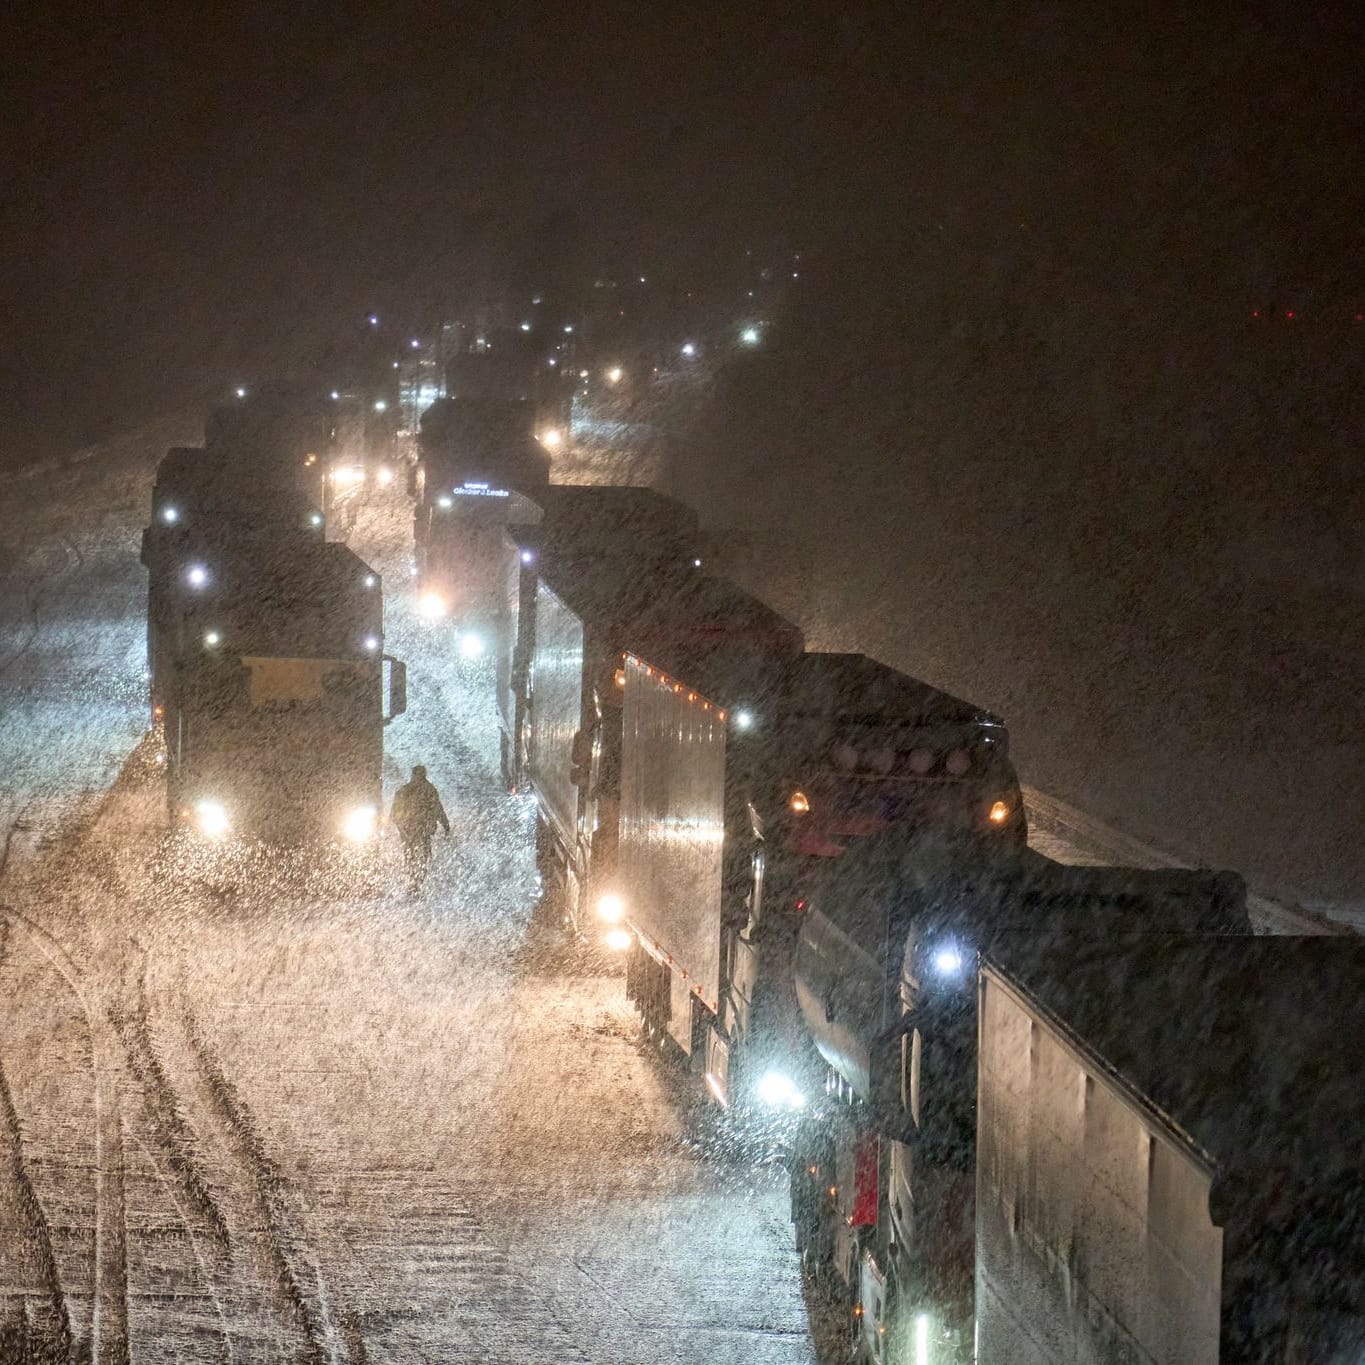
{"x":1024,"y":348}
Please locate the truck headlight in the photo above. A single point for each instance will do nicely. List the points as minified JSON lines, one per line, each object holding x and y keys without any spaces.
{"x":432,"y":606}
{"x":611,"y":909}
{"x":360,"y":824}
{"x":212,"y":819}
{"x":778,"y":1091}
{"x":470,"y":645}
{"x":618,"y":940}
{"x":947,"y":960}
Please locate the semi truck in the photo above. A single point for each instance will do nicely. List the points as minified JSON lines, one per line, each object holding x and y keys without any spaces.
{"x":745,"y":773}
{"x":884,"y":1156}
{"x":574,"y":525}
{"x":200,"y":498}
{"x":479,"y":467}
{"x":588,"y":615}
{"x":272,"y":679}
{"x":268,"y":678}
{"x":1168,"y":1165}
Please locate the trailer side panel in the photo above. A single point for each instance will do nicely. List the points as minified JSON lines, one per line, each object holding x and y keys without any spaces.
{"x":1094,"y":1242}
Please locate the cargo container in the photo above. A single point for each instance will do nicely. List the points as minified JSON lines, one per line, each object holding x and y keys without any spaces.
{"x":575,"y":526}
{"x":1168,"y":1166}
{"x":588,"y":614}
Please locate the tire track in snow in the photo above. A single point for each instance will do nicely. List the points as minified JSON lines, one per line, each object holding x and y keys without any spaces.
{"x":267,"y":1232}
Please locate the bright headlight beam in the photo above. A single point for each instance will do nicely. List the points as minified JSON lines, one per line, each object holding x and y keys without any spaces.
{"x":360,"y":824}
{"x":618,"y":940}
{"x":947,"y":961}
{"x":611,"y":908}
{"x":212,"y":819}
{"x":432,"y":606}
{"x":470,"y":645}
{"x":779,"y":1091}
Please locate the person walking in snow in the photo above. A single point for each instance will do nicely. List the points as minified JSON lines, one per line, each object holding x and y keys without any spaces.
{"x":415,"y":814}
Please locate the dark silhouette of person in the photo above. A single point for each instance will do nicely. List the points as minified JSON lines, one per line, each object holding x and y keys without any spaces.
{"x":415,"y":814}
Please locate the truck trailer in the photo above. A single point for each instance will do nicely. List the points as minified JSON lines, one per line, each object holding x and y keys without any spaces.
{"x":884,"y":1162}
{"x":573,"y":527}
{"x":744,"y":774}
{"x":588,"y":616}
{"x":1168,"y":1164}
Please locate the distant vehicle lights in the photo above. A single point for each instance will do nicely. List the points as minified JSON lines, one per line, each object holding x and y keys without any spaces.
{"x":381,"y":405}
{"x":212,"y":639}
{"x":552,"y":438}
{"x":615,"y":374}
{"x":618,"y":940}
{"x":197,"y":576}
{"x":371,"y":644}
{"x":169,"y":515}
{"x":689,"y":349}
{"x":744,"y":719}
{"x":527,"y":557}
{"x":469,"y":645}
{"x":750,"y":336}
{"x":315,"y":519}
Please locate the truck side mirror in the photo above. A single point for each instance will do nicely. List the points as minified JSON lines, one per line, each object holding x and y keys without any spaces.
{"x":397,"y":688}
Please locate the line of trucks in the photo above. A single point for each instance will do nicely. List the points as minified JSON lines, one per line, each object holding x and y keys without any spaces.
{"x":1031,"y":1112}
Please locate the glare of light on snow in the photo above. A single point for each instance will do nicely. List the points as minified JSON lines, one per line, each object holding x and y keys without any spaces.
{"x":618,"y":940}
{"x":348,"y":475}
{"x":385,"y":476}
